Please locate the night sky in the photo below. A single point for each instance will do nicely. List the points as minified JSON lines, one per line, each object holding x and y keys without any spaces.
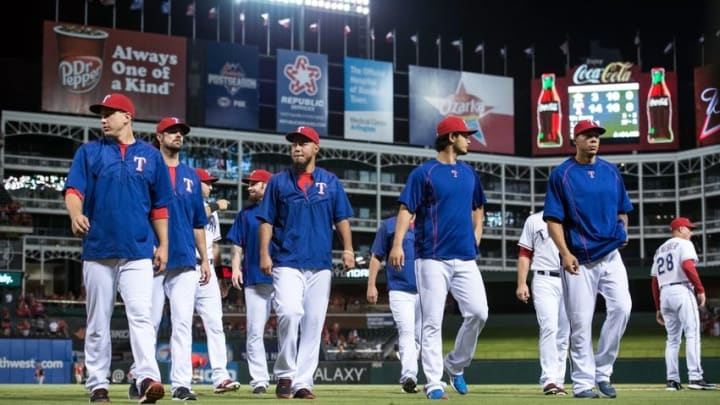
{"x":602,"y":28}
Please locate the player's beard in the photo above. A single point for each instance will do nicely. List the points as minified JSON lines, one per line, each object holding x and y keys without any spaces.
{"x":301,"y":166}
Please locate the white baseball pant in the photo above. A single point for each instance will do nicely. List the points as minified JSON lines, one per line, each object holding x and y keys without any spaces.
{"x":680,"y":312}
{"x":608,"y":277}
{"x":102,"y":280}
{"x":301,"y":300}
{"x":180,"y":286}
{"x":258,"y":304}
{"x":554,"y":328}
{"x":405,"y":308}
{"x":463,"y":280}
{"x":208,"y":305}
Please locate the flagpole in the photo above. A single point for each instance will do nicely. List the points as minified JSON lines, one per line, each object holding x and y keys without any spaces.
{"x":217,"y":20}
{"x":567,"y":54}
{"x":438,"y":43}
{"x":533,"y":60}
{"x":86,"y":12}
{"x":194,"y":22}
{"x":243,"y":26}
{"x":318,"y":37}
{"x":702,"y":49}
{"x":417,"y":48}
{"x":394,"y":50}
{"x":170,"y":17}
{"x":268,"y":36}
{"x":344,"y":42}
{"x":57,"y":10}
{"x":461,"y":54}
{"x":505,"y":58}
{"x":483,"y":57}
{"x":674,"y":55}
{"x":292,"y":36}
{"x":232,"y":22}
{"x":372,"y":43}
{"x":114,"y":15}
{"x":637,"y":46}
{"x":142,"y":17}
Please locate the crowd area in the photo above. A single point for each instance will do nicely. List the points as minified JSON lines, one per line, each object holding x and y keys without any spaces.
{"x":26,"y":316}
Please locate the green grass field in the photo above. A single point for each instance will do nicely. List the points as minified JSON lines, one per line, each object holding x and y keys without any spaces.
{"x":517,"y":338}
{"x":363,"y":395}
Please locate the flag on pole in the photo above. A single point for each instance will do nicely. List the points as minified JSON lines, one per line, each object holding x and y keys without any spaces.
{"x":372,"y":43}
{"x":637,"y":38}
{"x":668,"y":48}
{"x":165,"y":7}
{"x":503,"y":54}
{"x":265,"y":17}
{"x":637,"y":49}
{"x":136,"y":5}
{"x":415,"y":38}
{"x":346,"y":30}
{"x":565,"y":48}
{"x":530,"y":53}
{"x":717,"y":33}
{"x":457,"y":43}
{"x":438,"y":43}
{"x":190,"y":12}
{"x":480,"y":48}
{"x":212,"y":13}
{"x":701,"y":39}
{"x":313,"y":27}
{"x":241,"y":17}
{"x":372,"y":34}
{"x":389,"y":37}
{"x":285,"y":23}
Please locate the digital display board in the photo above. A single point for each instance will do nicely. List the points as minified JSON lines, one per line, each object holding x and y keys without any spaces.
{"x":615,"y":106}
{"x":638,"y":108}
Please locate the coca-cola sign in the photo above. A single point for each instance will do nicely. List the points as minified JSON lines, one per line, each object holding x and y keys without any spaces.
{"x":613,"y":72}
{"x":707,"y":105}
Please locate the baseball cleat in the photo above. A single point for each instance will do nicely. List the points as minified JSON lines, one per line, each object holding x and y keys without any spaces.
{"x":701,"y":385}
{"x":260,"y":389}
{"x":457,"y":382}
{"x":151,"y":391}
{"x":99,"y":395}
{"x":550,"y":389}
{"x":227,"y":385}
{"x":606,"y":389}
{"x":673,"y":386}
{"x":283,"y":389}
{"x":437,"y":394}
{"x":133,"y":392}
{"x":586,"y":394}
{"x":183,"y":394}
{"x":304,"y":393}
{"x":409,"y":386}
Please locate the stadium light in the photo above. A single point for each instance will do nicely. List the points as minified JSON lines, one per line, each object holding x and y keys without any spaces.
{"x":351,"y":7}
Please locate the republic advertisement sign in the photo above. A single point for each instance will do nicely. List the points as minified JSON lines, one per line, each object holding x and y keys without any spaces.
{"x":81,"y":64}
{"x":707,"y":105}
{"x":638,"y":109}
{"x":302,"y":90}
{"x":485,"y":102}
{"x":231,"y":86}
{"x":368,"y":100}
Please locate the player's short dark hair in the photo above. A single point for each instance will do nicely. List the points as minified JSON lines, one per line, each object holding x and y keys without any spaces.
{"x":442,"y":142}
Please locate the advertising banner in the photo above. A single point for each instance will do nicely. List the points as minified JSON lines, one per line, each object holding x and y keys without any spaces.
{"x":485,"y":102}
{"x":302,"y":90}
{"x":368,"y":100}
{"x":231,"y":86}
{"x":19,"y":359}
{"x":638,"y":109}
{"x":707,"y":105}
{"x":81,"y":64}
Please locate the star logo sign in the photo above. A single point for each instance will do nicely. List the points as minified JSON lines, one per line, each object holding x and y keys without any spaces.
{"x":470,"y":107}
{"x":303,"y":76}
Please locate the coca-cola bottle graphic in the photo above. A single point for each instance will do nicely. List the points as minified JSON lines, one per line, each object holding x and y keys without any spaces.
{"x":659,"y":108}
{"x":549,"y":114}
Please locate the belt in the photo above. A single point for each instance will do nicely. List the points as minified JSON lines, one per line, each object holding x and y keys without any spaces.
{"x":548,"y":273}
{"x":685,"y":283}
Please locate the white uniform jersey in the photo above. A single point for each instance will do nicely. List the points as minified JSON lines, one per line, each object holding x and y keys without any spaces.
{"x":668,"y":260}
{"x":212,"y":235}
{"x":536,"y":238}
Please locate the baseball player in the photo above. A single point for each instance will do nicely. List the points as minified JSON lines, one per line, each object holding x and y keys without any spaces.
{"x":586,"y":207}
{"x":677,"y":292}
{"x":538,"y":253}
{"x":297,"y":215}
{"x":116,"y":194}
{"x":186,"y":230}
{"x":402,"y":293}
{"x":208,"y":303}
{"x":448,"y":201}
{"x":258,"y":286}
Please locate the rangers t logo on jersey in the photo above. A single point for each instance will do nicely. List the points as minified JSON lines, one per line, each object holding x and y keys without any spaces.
{"x":321,"y":188}
{"x":140,"y":163}
{"x":188,"y":184}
